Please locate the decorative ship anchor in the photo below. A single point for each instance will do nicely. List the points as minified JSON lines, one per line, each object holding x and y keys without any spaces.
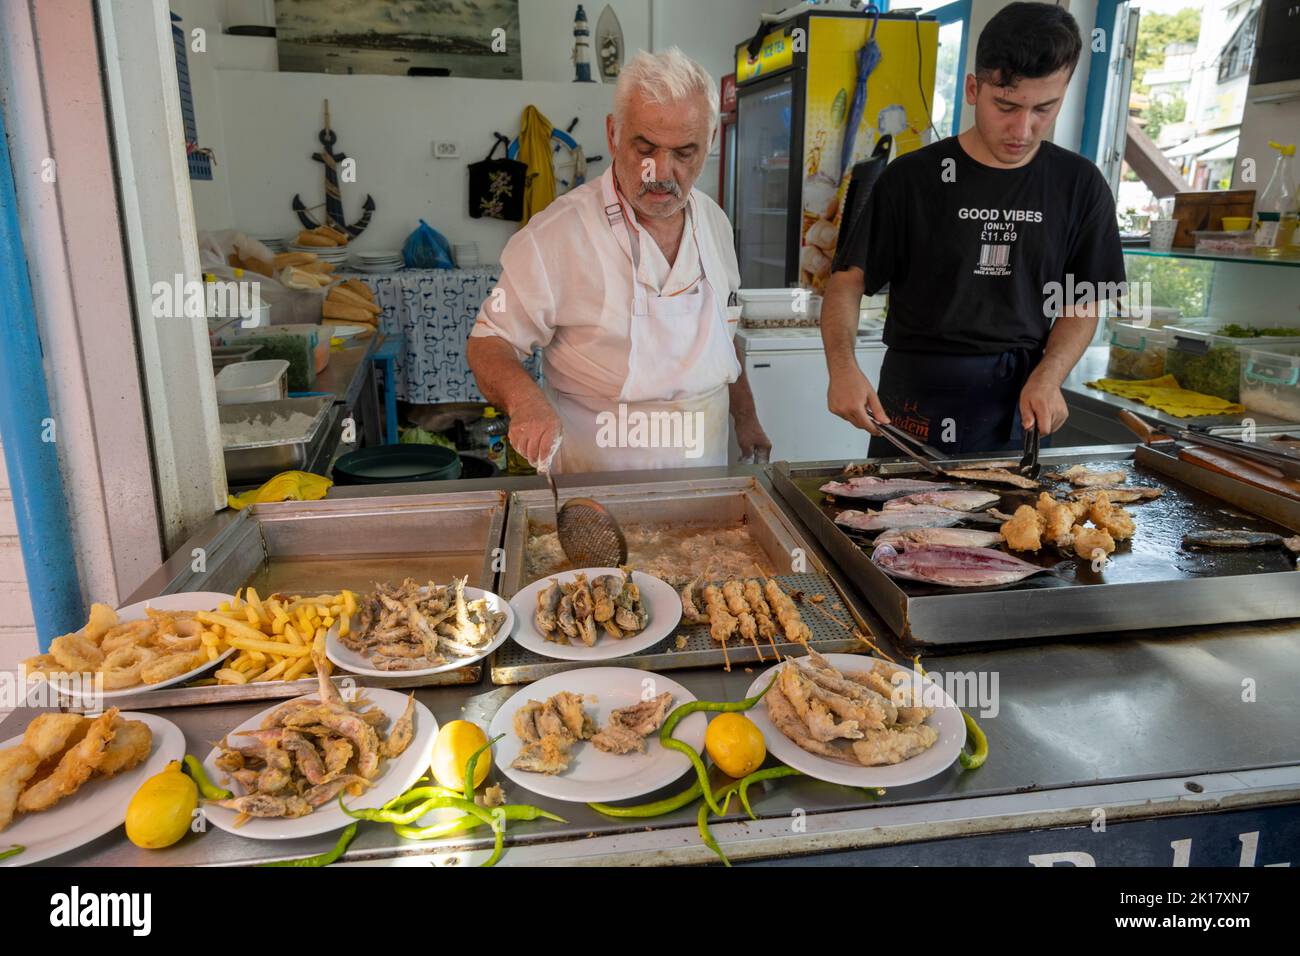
{"x":333,"y":197}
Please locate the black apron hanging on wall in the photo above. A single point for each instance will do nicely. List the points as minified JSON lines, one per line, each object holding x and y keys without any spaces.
{"x":496,"y":186}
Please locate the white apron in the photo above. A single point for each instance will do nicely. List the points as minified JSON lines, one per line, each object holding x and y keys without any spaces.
{"x":660,"y":419}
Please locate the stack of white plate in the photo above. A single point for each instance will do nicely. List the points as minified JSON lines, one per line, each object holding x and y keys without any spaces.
{"x":379,"y":260}
{"x":276,"y":244}
{"x":335,"y":254}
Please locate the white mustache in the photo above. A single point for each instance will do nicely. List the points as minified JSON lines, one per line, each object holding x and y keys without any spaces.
{"x":661,"y":186}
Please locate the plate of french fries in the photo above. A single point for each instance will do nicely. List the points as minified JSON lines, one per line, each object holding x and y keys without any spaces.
{"x":150,"y":644}
{"x":273,"y":638}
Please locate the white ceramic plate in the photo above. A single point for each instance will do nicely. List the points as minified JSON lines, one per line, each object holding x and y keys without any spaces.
{"x":593,"y":775}
{"x":358,"y":664}
{"x":946,"y":719}
{"x":395,"y":776}
{"x":98,"y":807}
{"x":182,"y":601}
{"x":659,"y":598}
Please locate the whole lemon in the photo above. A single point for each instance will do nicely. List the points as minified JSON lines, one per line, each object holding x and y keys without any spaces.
{"x":735,"y":744}
{"x":454,"y":745}
{"x":162,"y":809}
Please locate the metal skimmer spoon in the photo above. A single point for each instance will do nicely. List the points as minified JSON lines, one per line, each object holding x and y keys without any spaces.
{"x":588,"y":533}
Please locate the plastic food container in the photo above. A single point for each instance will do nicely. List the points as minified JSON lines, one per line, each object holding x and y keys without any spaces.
{"x":1136,"y":351}
{"x":1270,"y":380}
{"x":305,"y":347}
{"x":1205,"y":359}
{"x":223,"y":355}
{"x":1224,"y":242}
{"x":246,"y":382}
{"x":779,"y":308}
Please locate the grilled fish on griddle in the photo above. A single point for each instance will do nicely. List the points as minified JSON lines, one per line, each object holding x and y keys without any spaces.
{"x":918,"y":516}
{"x":970,"y":499}
{"x":1222,"y":539}
{"x":955,"y":567}
{"x":881,"y":489}
{"x":996,"y":476}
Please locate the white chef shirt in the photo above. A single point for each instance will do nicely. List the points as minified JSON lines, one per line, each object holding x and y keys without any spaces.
{"x":566,"y":287}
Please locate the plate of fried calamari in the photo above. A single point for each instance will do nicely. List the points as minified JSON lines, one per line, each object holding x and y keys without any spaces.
{"x":68,"y":778}
{"x":859,"y":721}
{"x":592,"y":735}
{"x":152,"y":644}
{"x":288,"y":765}
{"x":595,"y":614}
{"x":417,"y":630}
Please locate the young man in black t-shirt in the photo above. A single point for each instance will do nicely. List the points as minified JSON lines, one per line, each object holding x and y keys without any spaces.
{"x":979,"y":238}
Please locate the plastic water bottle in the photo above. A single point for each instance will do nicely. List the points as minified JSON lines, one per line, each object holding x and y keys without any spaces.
{"x":492,"y":429}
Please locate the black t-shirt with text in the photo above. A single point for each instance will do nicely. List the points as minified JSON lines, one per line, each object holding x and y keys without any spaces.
{"x":968,"y":250}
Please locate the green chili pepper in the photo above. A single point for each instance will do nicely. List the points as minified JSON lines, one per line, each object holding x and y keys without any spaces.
{"x":658,"y":808}
{"x":12,"y":851}
{"x":380,"y":815}
{"x":702,"y":817}
{"x":323,"y":859}
{"x":206,"y":787}
{"x":666,"y":739}
{"x":512,"y":812}
{"x":471,"y":763}
{"x":772,"y":773}
{"x":979,"y":745}
{"x":418,"y":795}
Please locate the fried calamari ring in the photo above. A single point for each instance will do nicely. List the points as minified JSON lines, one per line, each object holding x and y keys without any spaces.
{"x":75,"y":652}
{"x":122,"y":667}
{"x":173,"y":665}
{"x":42,"y":665}
{"x":126,"y":635}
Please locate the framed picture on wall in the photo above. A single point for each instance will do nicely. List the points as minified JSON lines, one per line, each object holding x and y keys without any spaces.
{"x":478,"y":38}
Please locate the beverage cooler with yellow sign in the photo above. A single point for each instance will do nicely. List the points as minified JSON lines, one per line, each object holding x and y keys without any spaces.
{"x":821,"y":92}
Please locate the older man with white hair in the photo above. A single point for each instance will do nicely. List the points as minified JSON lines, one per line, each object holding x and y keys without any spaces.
{"x":624,"y":283}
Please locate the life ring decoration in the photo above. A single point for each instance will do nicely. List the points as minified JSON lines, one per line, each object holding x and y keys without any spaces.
{"x":566,"y":165}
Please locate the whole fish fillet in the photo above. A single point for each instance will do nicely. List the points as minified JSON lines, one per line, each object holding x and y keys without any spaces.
{"x":918,"y":516}
{"x":997,"y":476}
{"x":1081,"y":477}
{"x":911,"y":538}
{"x":956,"y":500}
{"x":955,"y":567}
{"x":881,"y":489}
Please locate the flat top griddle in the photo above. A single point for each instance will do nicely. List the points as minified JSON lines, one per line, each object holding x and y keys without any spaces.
{"x":1154,"y":553}
{"x":1149,"y":582}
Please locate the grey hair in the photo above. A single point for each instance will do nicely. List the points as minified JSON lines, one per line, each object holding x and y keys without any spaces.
{"x":664,"y":78}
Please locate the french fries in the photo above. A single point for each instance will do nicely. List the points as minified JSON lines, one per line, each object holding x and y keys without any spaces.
{"x":275,"y":637}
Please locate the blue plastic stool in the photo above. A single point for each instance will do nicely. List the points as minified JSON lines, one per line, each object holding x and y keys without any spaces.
{"x":386,"y":355}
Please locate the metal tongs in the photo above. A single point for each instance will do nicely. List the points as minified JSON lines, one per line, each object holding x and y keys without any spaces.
{"x":1029,"y":466}
{"x":913,"y":448}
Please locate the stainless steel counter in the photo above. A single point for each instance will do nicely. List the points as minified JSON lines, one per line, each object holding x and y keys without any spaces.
{"x":1139,"y":727}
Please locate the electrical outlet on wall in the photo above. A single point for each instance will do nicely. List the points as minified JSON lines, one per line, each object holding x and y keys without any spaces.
{"x":445,"y":150}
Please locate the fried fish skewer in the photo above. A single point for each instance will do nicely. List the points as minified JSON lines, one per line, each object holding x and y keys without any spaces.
{"x":721,"y":623}
{"x":733,"y":594}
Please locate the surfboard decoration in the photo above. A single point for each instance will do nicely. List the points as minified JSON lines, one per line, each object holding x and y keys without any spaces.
{"x":609,"y":44}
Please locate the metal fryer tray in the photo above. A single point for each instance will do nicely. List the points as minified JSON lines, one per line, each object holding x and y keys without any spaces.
{"x":683,"y":500}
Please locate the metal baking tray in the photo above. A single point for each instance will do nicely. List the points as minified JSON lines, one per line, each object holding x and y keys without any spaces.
{"x":679,"y":504}
{"x":312,"y":547}
{"x":254,"y":461}
{"x":1149,"y":582}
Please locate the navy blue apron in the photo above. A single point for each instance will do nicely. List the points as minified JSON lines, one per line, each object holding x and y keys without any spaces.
{"x":957,"y":404}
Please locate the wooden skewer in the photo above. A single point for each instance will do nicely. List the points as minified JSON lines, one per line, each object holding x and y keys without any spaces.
{"x":771,"y":637}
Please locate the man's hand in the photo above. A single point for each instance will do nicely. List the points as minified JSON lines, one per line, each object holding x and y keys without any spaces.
{"x":534,"y":426}
{"x":751,"y":438}
{"x":1042,"y":405}
{"x":851,"y":396}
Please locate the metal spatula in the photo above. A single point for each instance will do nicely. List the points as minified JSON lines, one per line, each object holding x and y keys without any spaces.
{"x":588,"y":533}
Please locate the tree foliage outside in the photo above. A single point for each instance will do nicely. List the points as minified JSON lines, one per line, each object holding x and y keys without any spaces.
{"x":1155,"y":32}
{"x":1162,"y":111}
{"x":1182,"y":284}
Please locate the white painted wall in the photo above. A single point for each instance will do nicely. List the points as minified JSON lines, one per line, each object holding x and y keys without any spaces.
{"x":17,"y":626}
{"x":263,"y":124}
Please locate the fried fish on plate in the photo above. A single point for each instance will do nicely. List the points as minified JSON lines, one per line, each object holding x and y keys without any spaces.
{"x":74,"y":768}
{"x":17,"y":766}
